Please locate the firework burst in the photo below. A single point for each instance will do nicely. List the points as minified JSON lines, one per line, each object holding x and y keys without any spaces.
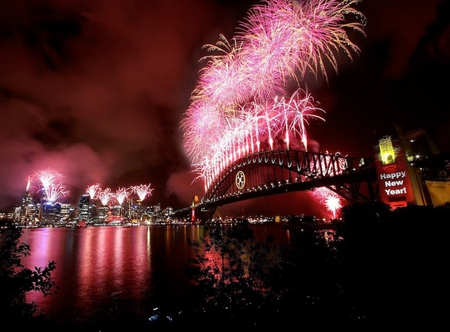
{"x":241,"y":102}
{"x":55,"y":191}
{"x":47,"y":177}
{"x":121,"y":194}
{"x":329,"y":198}
{"x":105,"y":195}
{"x":48,"y":183}
{"x":142,"y":190}
{"x":93,"y":190}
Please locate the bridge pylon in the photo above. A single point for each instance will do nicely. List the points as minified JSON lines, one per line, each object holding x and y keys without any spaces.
{"x":200,"y":214}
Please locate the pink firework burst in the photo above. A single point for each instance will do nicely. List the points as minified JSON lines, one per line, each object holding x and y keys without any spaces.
{"x":49,"y":184}
{"x":222,"y":81}
{"x":122,"y":194}
{"x":239,"y":104}
{"x":105,"y":195}
{"x":93,"y":190}
{"x":328,"y":197}
{"x":142,"y":190}
{"x":258,"y":127}
{"x":47,"y":177}
{"x":296,"y":36}
{"x":54,"y":192}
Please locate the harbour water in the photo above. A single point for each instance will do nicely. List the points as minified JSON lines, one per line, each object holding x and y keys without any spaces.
{"x":113,"y":271}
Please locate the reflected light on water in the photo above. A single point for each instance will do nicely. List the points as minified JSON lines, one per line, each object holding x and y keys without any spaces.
{"x":107,"y":269}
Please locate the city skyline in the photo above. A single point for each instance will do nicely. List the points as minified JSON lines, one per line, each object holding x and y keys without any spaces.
{"x":99,"y":91}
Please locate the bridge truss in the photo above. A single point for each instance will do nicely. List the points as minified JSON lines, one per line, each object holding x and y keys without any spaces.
{"x":273,"y":172}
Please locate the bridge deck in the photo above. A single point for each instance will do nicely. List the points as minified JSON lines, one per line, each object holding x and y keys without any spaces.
{"x":280,"y":171}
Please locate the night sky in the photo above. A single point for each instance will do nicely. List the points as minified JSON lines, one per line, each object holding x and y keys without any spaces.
{"x":96,"y":90}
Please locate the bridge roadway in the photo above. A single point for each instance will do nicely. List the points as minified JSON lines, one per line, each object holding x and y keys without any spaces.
{"x":274,"y":172}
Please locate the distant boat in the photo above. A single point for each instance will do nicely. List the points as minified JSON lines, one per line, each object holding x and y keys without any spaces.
{"x":115,"y":223}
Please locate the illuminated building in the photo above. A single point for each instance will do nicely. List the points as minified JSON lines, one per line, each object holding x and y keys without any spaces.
{"x":404,"y":162}
{"x":83,"y":207}
{"x":25,"y":211}
{"x":50,"y":212}
{"x":65,"y":211}
{"x":103,"y":212}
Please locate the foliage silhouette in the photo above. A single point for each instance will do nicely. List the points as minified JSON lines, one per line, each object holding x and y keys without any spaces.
{"x":381,"y":268}
{"x":229,"y":274}
{"x":239,"y":282}
{"x":393,"y":264}
{"x":16,"y":281}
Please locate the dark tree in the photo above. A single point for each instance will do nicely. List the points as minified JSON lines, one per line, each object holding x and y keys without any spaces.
{"x":16,"y":281}
{"x":381,"y":268}
{"x":393,"y":264}
{"x":240,"y":282}
{"x":229,"y":275}
{"x":307,"y":283}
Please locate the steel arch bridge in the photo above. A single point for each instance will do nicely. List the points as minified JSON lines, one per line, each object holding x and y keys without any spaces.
{"x":273,"y":172}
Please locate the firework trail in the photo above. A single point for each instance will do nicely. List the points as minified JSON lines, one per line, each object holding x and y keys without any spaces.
{"x":241,"y":102}
{"x":93,"y":190}
{"x":142,"y":190}
{"x":29,"y":180}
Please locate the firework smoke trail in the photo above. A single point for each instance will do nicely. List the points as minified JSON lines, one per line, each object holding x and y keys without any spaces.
{"x":92,"y":190}
{"x":142,"y":190}
{"x":235,"y":107}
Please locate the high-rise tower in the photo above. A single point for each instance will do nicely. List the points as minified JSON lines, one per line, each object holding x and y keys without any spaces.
{"x":83,"y":207}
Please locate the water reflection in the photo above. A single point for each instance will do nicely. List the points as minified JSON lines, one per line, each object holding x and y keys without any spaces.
{"x":113,"y":270}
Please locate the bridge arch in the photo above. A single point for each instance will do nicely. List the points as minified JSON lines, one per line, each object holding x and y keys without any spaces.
{"x":273,"y":172}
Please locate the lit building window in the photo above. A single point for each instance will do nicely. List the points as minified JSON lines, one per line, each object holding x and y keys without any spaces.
{"x":386,"y":150}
